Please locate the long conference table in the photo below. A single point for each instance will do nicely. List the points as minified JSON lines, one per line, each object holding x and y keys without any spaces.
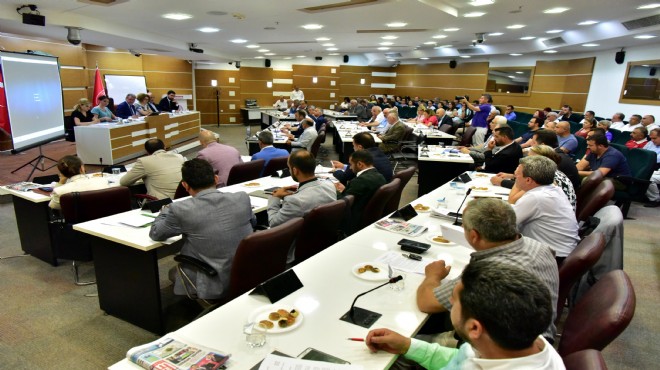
{"x":329,"y":287}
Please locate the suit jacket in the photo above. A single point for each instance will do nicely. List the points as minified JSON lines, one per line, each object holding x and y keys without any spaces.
{"x":125,"y":110}
{"x":306,"y":140}
{"x":267,"y":154}
{"x":309,"y":195}
{"x":394,"y":134}
{"x":212,"y":225}
{"x":505,"y":160}
{"x":160,"y":171}
{"x":381,"y":163}
{"x":362,"y":188}
{"x":222,"y":158}
{"x":166,"y":105}
{"x":360,"y":111}
{"x":445,"y":120}
{"x":153,"y":106}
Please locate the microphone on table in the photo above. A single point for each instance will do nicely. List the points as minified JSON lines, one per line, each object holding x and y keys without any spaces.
{"x":469,"y":190}
{"x":390,"y":281}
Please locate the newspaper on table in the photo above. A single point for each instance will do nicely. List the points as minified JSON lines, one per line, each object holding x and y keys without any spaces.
{"x":400,"y":227}
{"x":173,"y":353}
{"x":274,"y":362}
{"x":23,"y":186}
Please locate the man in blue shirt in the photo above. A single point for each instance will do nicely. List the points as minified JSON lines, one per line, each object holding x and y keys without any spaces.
{"x":609,"y":161}
{"x":509,"y":113}
{"x":567,"y":142}
{"x":267,"y":151}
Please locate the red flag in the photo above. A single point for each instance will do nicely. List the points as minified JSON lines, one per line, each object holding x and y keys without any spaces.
{"x":98,"y":87}
{"x":4,"y":113}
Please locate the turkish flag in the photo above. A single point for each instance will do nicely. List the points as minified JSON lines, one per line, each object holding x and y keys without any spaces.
{"x":98,"y":87}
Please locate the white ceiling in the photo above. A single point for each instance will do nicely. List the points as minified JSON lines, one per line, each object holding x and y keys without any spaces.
{"x":138,"y":25}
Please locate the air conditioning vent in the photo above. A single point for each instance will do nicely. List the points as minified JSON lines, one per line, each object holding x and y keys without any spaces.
{"x":393,"y":55}
{"x":157,"y":50}
{"x":555,"y":41}
{"x":336,"y":6}
{"x":389,"y":30}
{"x":286,"y":42}
{"x":103,"y":2}
{"x":471,"y":51}
{"x":653,"y":20}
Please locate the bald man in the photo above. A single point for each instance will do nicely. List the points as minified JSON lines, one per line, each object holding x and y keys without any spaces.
{"x":221,"y":157}
{"x":567,"y":142}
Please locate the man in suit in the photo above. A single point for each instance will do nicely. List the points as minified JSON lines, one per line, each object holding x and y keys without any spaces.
{"x":506,"y":157}
{"x":126,"y":109}
{"x":160,"y":170}
{"x":364,"y":141}
{"x":268,"y":151}
{"x":367,"y":180}
{"x":212,"y":225}
{"x":443,"y":118}
{"x":393,"y":135}
{"x":167,"y":103}
{"x":358,"y":110}
{"x":151,"y":103}
{"x":306,"y":139}
{"x":221,"y":157}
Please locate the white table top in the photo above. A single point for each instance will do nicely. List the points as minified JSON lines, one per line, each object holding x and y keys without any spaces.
{"x":438,"y":153}
{"x":329,"y":288}
{"x":113,"y":180}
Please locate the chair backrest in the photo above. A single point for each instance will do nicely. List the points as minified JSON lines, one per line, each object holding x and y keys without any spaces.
{"x":89,"y":205}
{"x":615,"y":133}
{"x":242,"y":172}
{"x":466,"y":139}
{"x":588,"y":185}
{"x":180,"y":192}
{"x":374,"y":210}
{"x":317,"y":144}
{"x":69,"y":132}
{"x":274,"y":165}
{"x":576,"y":264}
{"x":621,"y":147}
{"x":595,"y":200}
{"x":621,"y":139}
{"x":46,"y":180}
{"x":445,"y":128}
{"x":641,"y":163}
{"x":589,"y":359}
{"x":324,"y":221}
{"x":407,"y":134}
{"x":404,"y":176}
{"x":261,"y":255}
{"x":581,"y":147}
{"x":600,"y":316}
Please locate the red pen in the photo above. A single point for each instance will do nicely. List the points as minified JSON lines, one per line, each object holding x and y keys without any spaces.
{"x":356,"y":339}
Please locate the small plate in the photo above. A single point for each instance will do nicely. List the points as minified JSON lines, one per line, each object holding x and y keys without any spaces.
{"x":430,"y":238}
{"x":371,"y":276}
{"x":262,"y":314}
{"x":252,"y":185}
{"x":421,"y":210}
{"x":480,"y":188}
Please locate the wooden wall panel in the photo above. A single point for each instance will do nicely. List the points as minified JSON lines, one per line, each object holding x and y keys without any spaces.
{"x":321,"y":93}
{"x":74,"y":77}
{"x":205,"y":95}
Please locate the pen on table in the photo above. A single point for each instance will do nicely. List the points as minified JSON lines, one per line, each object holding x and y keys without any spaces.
{"x":356,"y":339}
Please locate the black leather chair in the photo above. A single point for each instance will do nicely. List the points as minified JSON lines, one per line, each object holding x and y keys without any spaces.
{"x":374,"y":210}
{"x":243,"y":172}
{"x":404,"y":176}
{"x":642,"y":162}
{"x":466,"y":139}
{"x":320,"y":229}
{"x":594,"y":201}
{"x":588,"y":359}
{"x":274,"y":165}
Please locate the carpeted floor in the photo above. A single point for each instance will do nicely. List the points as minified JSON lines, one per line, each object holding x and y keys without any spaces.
{"x":46,"y":322}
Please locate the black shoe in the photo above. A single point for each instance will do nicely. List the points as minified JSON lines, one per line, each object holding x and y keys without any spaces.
{"x":652,"y":204}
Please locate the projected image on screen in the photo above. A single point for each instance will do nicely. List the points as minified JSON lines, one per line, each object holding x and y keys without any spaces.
{"x":34,"y":98}
{"x":119,"y":86}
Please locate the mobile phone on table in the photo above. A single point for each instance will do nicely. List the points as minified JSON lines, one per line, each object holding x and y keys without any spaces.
{"x":316,"y":355}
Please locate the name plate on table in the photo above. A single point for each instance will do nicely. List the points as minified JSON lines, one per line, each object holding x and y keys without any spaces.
{"x":406,"y":213}
{"x":279,"y":286}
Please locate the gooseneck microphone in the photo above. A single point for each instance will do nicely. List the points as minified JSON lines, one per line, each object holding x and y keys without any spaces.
{"x":391,"y":281}
{"x":459,"y":208}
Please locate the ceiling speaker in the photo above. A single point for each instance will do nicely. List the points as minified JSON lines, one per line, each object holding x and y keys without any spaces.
{"x":619,"y":57}
{"x":452,"y":64}
{"x":345,"y":58}
{"x":318,"y":58}
{"x":267,"y":62}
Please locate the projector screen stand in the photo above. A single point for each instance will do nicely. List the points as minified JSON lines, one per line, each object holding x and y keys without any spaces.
{"x":37,"y":164}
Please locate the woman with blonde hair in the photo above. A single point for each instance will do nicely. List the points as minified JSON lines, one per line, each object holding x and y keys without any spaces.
{"x":81,"y":114}
{"x":430,"y":119}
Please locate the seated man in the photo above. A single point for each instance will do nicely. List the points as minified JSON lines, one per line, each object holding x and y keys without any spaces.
{"x":319,"y":119}
{"x":490,"y":228}
{"x":221,"y":157}
{"x":491,"y":311}
{"x":364,"y":141}
{"x":72,"y":179}
{"x":652,"y":193}
{"x":296,"y":128}
{"x":648,"y":121}
{"x":477,"y":151}
{"x":443,"y":117}
{"x":393,"y":135}
{"x":212,"y":225}
{"x":617,"y":121}
{"x":635,"y":121}
{"x":126,"y":109}
{"x":168,"y":102}
{"x":267,"y":150}
{"x":367,"y":180}
{"x":160,"y":170}
{"x":306,"y":139}
{"x":567,"y":142}
{"x":566,"y":114}
{"x":543,"y":211}
{"x":375,"y":119}
{"x":382,"y":126}
{"x":566,"y":164}
{"x":505,"y":157}
{"x":551,"y":118}
{"x":609,"y":161}
{"x":281,"y":104}
{"x":637,"y":138}
{"x":509,"y":114}
{"x":358,"y":110}
{"x":534,"y":125}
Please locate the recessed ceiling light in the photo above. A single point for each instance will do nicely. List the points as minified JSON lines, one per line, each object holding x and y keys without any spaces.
{"x":590,"y":45}
{"x":390,"y":37}
{"x":323,"y":39}
{"x":511,"y":76}
{"x":465,"y":56}
{"x":644,"y":37}
{"x":481,"y":2}
{"x":443,"y":46}
{"x":451,"y":29}
{"x":177,"y":16}
{"x":208,"y":29}
{"x":519,"y":72}
{"x":238,"y":41}
{"x":496,"y":34}
{"x":383,"y":48}
{"x":287,"y":58}
{"x":259,"y":57}
{"x":328,"y":44}
{"x":645,"y":65}
{"x":438,"y":36}
{"x":474,"y":14}
{"x":424,"y":58}
{"x":649,"y":6}
{"x":263,"y":50}
{"x":269,"y":54}
{"x":515,"y":26}
{"x":550,"y":51}
{"x":300,"y":56}
{"x":333,"y":53}
{"x":528,"y":38}
{"x":555,"y":10}
{"x":587,"y":23}
{"x":554,"y":31}
{"x":252,"y":46}
{"x":515,"y":54}
{"x":430,"y":43}
{"x":391,"y":60}
{"x":312,"y":26}
{"x":387,"y":43}
{"x":396,"y":24}
{"x":331,"y":49}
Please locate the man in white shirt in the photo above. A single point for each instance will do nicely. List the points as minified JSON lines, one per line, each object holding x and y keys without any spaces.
{"x":543,"y":211}
{"x":297,"y":94}
{"x":492,"y":313}
{"x":635,"y":121}
{"x":281,"y":104}
{"x":648,"y":121}
{"x":617,"y":121}
{"x":652,"y":192}
{"x":376,"y":117}
{"x":551,"y":117}
{"x":306,"y":139}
